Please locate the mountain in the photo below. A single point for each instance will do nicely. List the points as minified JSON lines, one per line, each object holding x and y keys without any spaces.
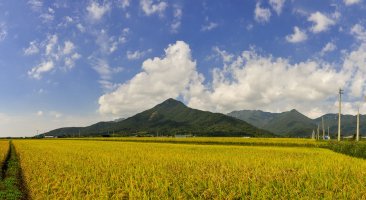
{"x":294,"y":124}
{"x":348,"y":125}
{"x":289,"y":124}
{"x":169,"y":118}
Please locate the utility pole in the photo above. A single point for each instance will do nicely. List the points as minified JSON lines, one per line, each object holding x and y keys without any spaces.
{"x":339,"y":114}
{"x":317,"y":133}
{"x":328,"y":134}
{"x":358,"y":125}
{"x":323,"y":128}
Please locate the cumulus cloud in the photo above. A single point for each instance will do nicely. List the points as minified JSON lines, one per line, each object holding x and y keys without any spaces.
{"x":252,"y":81}
{"x":321,"y":22}
{"x":351,"y":2}
{"x":96,"y":11}
{"x":135,"y":55}
{"x":246,"y":81}
{"x":149,"y":7}
{"x":160,"y":78}
{"x":277,"y":5}
{"x":297,"y":36}
{"x":54,"y":53}
{"x":329,"y":47}
{"x":261,"y":15}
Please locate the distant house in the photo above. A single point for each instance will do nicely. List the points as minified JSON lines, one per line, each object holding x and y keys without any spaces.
{"x":50,"y":136}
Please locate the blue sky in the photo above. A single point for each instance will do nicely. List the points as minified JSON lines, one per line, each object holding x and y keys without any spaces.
{"x":71,"y":63}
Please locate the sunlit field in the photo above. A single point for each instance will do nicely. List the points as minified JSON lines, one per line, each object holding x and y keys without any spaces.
{"x":79,"y":169}
{"x":217,"y":140}
{"x":4,"y":147}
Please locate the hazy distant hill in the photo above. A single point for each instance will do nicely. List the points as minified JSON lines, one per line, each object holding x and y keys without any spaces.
{"x":348,"y":127}
{"x":169,"y":118}
{"x":294,"y":124}
{"x":290,"y":124}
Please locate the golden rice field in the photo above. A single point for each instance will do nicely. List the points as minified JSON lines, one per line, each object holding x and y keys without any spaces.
{"x":72,"y":169}
{"x":218,"y":140}
{"x":4,"y":147}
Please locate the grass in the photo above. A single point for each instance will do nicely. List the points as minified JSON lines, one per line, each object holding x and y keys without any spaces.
{"x":74,"y":169}
{"x":352,"y":148}
{"x":11,"y":183}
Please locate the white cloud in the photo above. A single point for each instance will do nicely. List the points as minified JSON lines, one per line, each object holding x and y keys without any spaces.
{"x":69,"y":19}
{"x":209,"y":26}
{"x":226,"y":57}
{"x":54,"y":55}
{"x":37,"y":71}
{"x":103,"y":69}
{"x":149,"y":7}
{"x":32,"y":49}
{"x":36,"y":5}
{"x":261,"y":15}
{"x":297,"y":36}
{"x":359,"y":32}
{"x":248,"y":81}
{"x":106,"y":72}
{"x":277,"y":5}
{"x":177,"y":19}
{"x":351,"y":2}
{"x":80,"y":27}
{"x":3,"y":32}
{"x":135,"y":55}
{"x":252,"y":81}
{"x":96,"y":11}
{"x":109,"y":44}
{"x":354,"y":65}
{"x":48,"y":16}
{"x":329,"y":47}
{"x":160,"y":78}
{"x":69,"y":62}
{"x":125,"y":3}
{"x":321,"y":22}
{"x":69,"y":47}
{"x":52,"y":41}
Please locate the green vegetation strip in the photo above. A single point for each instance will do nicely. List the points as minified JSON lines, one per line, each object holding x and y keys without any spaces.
{"x":11,"y":184}
{"x":351,"y":148}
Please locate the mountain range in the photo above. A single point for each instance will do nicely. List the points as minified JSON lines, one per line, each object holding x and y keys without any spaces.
{"x":170,"y":117}
{"x":294,"y":124}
